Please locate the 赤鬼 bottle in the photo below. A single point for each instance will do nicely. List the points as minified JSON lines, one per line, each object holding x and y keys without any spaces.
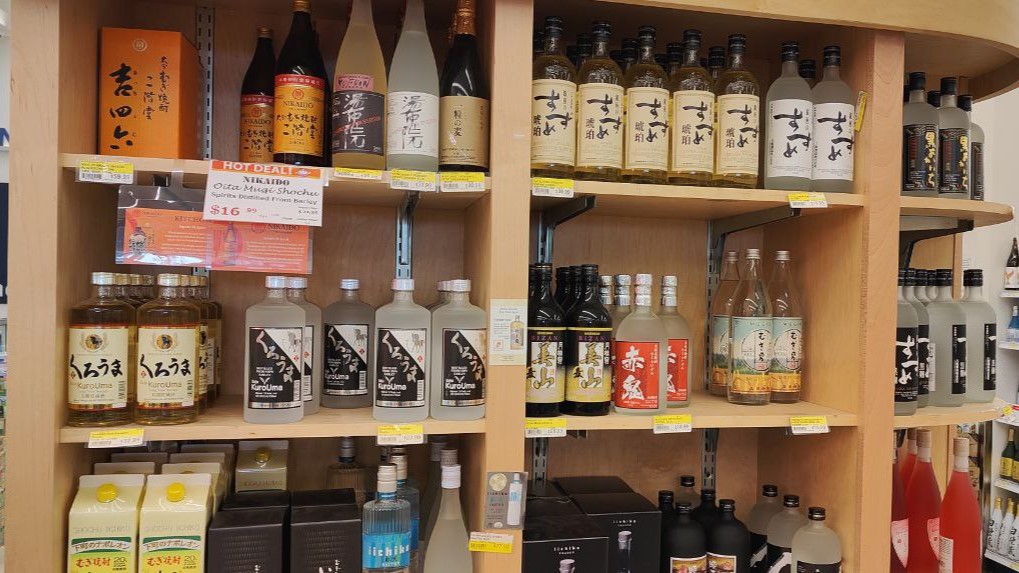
{"x":961,"y":521}
{"x":600,"y":112}
{"x":906,"y":353}
{"x":679,"y":379}
{"x":766,"y":507}
{"x":546,"y":339}
{"x":101,"y":358}
{"x":737,"y":146}
{"x":459,"y":357}
{"x":273,"y":351}
{"x":684,"y":542}
{"x":346,"y":472}
{"x":816,"y":548}
{"x":785,"y":375}
{"x":402,"y":330}
{"x":976,"y":150}
{"x":347,"y":356}
{"x":311,"y":353}
{"x":923,"y":337}
{"x":646,"y":148}
{"x":300,"y":95}
{"x":728,"y":541}
{"x":781,"y":529}
{"x":787,"y":134}
{"x":463,"y":99}
{"x":642,"y":349}
{"x":587,"y":354}
{"x":447,"y":543}
{"x":953,"y":134}
{"x":359,"y":95}
{"x":834,"y":125}
{"x":412,"y":105}
{"x":948,"y":378}
{"x":750,"y":349}
{"x":920,"y":146}
{"x":553,"y":104}
{"x":411,"y":494}
{"x":256,"y":122}
{"x":719,"y":323}
{"x":386,"y":533}
{"x":981,"y":339}
{"x":693,"y":110}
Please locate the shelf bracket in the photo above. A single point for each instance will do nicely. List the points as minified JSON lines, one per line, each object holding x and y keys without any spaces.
{"x":708,"y":456}
{"x":539,"y":460}
{"x":913,"y":229}
{"x":205,"y":30}
{"x":552,"y":217}
{"x":405,"y":235}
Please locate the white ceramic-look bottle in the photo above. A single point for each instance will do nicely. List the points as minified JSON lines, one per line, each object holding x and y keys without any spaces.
{"x":459,"y":356}
{"x":402,"y":331}
{"x":272,"y":357}
{"x":311,"y":383}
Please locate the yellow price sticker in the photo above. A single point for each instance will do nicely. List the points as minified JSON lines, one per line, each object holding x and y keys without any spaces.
{"x":400,"y":434}
{"x":363,"y":174}
{"x":801,"y":425}
{"x":861,"y":108}
{"x":544,"y":428}
{"x":461,"y":181}
{"x":483,"y":542}
{"x":412,"y":180}
{"x":805,"y":200}
{"x":99,"y":171}
{"x":1007,"y":410}
{"x":673,"y":423}
{"x":552,"y":187}
{"x":119,"y":438}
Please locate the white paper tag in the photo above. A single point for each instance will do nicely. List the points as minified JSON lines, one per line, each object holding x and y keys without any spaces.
{"x":263,"y":193}
{"x":122,"y":438}
{"x":507,"y":331}
{"x":406,"y":180}
{"x":673,"y":424}
{"x":400,"y":434}
{"x":806,"y":200}
{"x":99,"y":171}
{"x":490,"y":542}
{"x":544,"y":428}
{"x":462,"y":182}
{"x":804,"y":425}
{"x":551,"y":187}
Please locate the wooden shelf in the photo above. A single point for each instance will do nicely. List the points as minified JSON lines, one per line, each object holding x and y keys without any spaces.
{"x":688,"y":202}
{"x":965,"y":414}
{"x":982,"y":213}
{"x":338,"y":191}
{"x":1001,"y":560}
{"x":1006,"y":485}
{"x":225,"y":421}
{"x":1005,"y":345}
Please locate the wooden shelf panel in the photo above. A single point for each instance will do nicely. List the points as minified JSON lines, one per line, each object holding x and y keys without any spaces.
{"x":225,"y":421}
{"x":965,"y":414}
{"x":338,"y":191}
{"x":1006,"y":485}
{"x":1001,"y":560}
{"x":688,"y":202}
{"x":982,"y":213}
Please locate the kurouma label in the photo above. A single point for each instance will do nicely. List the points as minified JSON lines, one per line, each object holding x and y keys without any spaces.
{"x":647,"y":128}
{"x":359,"y":114}
{"x":256,"y":128}
{"x":833,"y":141}
{"x":97,"y":368}
{"x":345,"y":370}
{"x":274,"y":367}
{"x":400,"y":367}
{"x":693,"y":131}
{"x":463,"y":131}
{"x":463,"y":366}
{"x":167,"y":372}
{"x":739,"y":126}
{"x":412,"y":123}
{"x":588,"y":378}
{"x":553,"y":121}
{"x":546,"y":377}
{"x":299,"y":107}
{"x":600,"y":141}
{"x":788,"y":153}
{"x":637,"y":374}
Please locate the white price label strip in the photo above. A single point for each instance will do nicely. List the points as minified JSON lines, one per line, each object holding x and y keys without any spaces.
{"x":400,"y":434}
{"x":116,"y":172}
{"x":551,"y":187}
{"x":544,"y":428}
{"x":804,"y":425}
{"x":808,"y":200}
{"x":263,"y":193}
{"x":363,"y":174}
{"x":461,"y":182}
{"x":122,"y":438}
{"x":673,"y":424}
{"x":490,"y":542}
{"x":412,"y":180}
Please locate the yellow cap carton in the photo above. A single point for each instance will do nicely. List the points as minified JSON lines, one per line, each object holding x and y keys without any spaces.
{"x":102,"y":526}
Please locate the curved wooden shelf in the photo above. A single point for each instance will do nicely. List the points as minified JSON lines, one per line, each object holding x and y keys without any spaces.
{"x":982,"y":213}
{"x":965,"y":414}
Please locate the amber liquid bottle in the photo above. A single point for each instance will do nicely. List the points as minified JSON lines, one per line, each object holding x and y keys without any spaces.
{"x":215,"y":321}
{"x":463,"y":99}
{"x":587,"y":353}
{"x":168,"y":345}
{"x":646,"y":156}
{"x":693,"y":112}
{"x":553,"y":105}
{"x":600,"y":139}
{"x":100,"y":368}
{"x":738,"y":135}
{"x":206,"y":353}
{"x":257,"y":91}
{"x":300,"y":95}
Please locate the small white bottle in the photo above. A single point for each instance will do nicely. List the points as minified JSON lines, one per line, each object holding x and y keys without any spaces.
{"x":459,"y":355}
{"x":402,"y":330}
{"x":272,"y":358}
{"x":348,"y":365}
{"x":514,"y":507}
{"x":311,"y":376}
{"x":994,"y":526}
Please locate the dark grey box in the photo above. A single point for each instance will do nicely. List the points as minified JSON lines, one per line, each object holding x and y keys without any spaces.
{"x":325,"y":539}
{"x":617,"y":513}
{"x":545,"y":506}
{"x":575,"y":485}
{"x":256,"y":500}
{"x":323,"y":497}
{"x":552,"y":540}
{"x":246,"y":540}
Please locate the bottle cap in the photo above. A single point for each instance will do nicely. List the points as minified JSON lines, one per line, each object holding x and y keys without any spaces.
{"x":348,"y":447}
{"x":674,"y":52}
{"x":816,"y":514}
{"x":622,"y":281}
{"x":447,"y":457}
{"x":203,"y":280}
{"x":168,"y":279}
{"x":782,"y":255}
{"x":646,"y":34}
{"x":832,"y":55}
{"x":923,"y":438}
{"x":902,"y":277}
{"x":459,"y":285}
{"x":149,"y":280}
{"x":387,"y":478}
{"x":966,"y":102}
{"x":808,"y":69}
{"x":727,"y":504}
{"x":669,"y":300}
{"x":624,"y":536}
{"x":686,"y":481}
{"x":692,"y":38}
{"x":121,"y":279}
{"x":910,"y":277}
{"x":791,"y":500}
{"x":103,"y":279}
{"x":451,"y":476}
{"x":973,"y":277}
{"x":297,"y":282}
{"x":438,"y":442}
{"x":350,"y":284}
{"x":790,"y":51}
{"x":684,"y":507}
{"x":302,"y":5}
{"x":737,"y":43}
{"x":769,"y":490}
{"x":949,"y":86}
{"x":960,"y":447}
{"x":708,"y":494}
{"x":588,"y":270}
{"x":917,"y":81}
{"x":643,"y":279}
{"x":944,"y":277}
{"x":403,"y":285}
{"x":135,"y":280}
{"x":666,"y":496}
{"x":753,"y":254}
{"x":605,"y":280}
{"x":265,"y":32}
{"x":175,"y":492}
{"x":731,"y":256}
{"x":275,"y":282}
{"x":669,"y":281}
{"x":716,"y":56}
{"x":106,"y":493}
{"x":553,"y":24}
{"x":601,"y":30}
{"x":400,"y":461}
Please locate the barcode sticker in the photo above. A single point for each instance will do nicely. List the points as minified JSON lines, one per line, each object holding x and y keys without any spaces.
{"x":407,"y":180}
{"x":805,"y":200}
{"x":544,"y":428}
{"x":461,"y":182}
{"x":673,"y":424}
{"x":803,"y":425}
{"x":116,"y":172}
{"x":120,"y":438}
{"x":400,"y":434}
{"x":552,"y":187}
{"x":364,"y":174}
{"x":490,"y":542}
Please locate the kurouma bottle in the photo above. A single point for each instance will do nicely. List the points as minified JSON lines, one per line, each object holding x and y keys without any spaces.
{"x":348,"y":367}
{"x":947,"y":345}
{"x":982,"y":339}
{"x":924,"y":501}
{"x":739,"y":122}
{"x":789,"y":123}
{"x":464,"y":100}
{"x":816,"y":548}
{"x":920,"y":147}
{"x":781,"y":529}
{"x":402,"y":331}
{"x":385,"y":536}
{"x":300,"y":95}
{"x":459,"y":357}
{"x":311,"y":352}
{"x":412,"y":116}
{"x":600,"y":112}
{"x":642,"y":348}
{"x":273,"y":352}
{"x":760,"y":518}
{"x":750,"y":350}
{"x":587,"y":354}
{"x":906,"y":353}
{"x":359,"y":95}
{"x":721,"y":316}
{"x":447,"y":544}
{"x":693,"y":112}
{"x":100,"y":367}
{"x":553,"y":104}
{"x":546,"y":339}
{"x":834,"y":128}
{"x":646,"y":149}
{"x":961,"y":523}
{"x":256,"y":125}
{"x":679,"y":375}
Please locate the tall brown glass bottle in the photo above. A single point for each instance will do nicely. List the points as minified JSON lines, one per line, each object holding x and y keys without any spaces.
{"x":553,"y":107}
{"x":546,"y":328}
{"x":600,"y":112}
{"x":587,"y":355}
{"x":256,"y":127}
{"x":300,"y":95}
{"x":646,"y":157}
{"x":463,"y":99}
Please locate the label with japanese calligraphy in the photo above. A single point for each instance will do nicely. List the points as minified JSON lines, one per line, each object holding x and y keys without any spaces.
{"x":954,"y":160}
{"x":463,"y":367}
{"x":990,"y":362}
{"x":274,"y":367}
{"x":788,"y":131}
{"x":833,"y":141}
{"x":97,"y":366}
{"x":600,"y":141}
{"x":693,"y":132}
{"x":463,"y":131}
{"x":587,"y":357}
{"x":719,"y":349}
{"x":784,"y":375}
{"x":358,"y":116}
{"x":256,"y":128}
{"x":637,"y":375}
{"x":931,"y":367}
{"x":958,"y":359}
{"x":166,"y":369}
{"x":647,"y":128}
{"x":553,"y":122}
{"x":203,"y":360}
{"x":412,"y":124}
{"x":976,"y":163}
{"x":679,"y":369}
{"x":920,"y":157}
{"x":751,"y":354}
{"x":546,"y":377}
{"x":345,"y":371}
{"x":906,"y":387}
{"x":739,"y":126}
{"x":923,"y":356}
{"x":300,"y":114}
{"x":100,"y":555}
{"x":172,"y":554}
{"x":400,"y":367}
{"x":307,"y":359}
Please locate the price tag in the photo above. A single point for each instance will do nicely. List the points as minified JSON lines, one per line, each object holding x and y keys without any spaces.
{"x":116,"y":172}
{"x":673,"y":424}
{"x":544,"y":428}
{"x":363,"y":174}
{"x":400,"y":434}
{"x":551,"y":187}
{"x":121,"y":438}
{"x":806,"y":200}
{"x":861,"y":108}
{"x":461,"y":181}
{"x":490,"y":542}
{"x":412,"y":180}
{"x":263,"y":193}
{"x":1007,"y":410}
{"x":802,"y":425}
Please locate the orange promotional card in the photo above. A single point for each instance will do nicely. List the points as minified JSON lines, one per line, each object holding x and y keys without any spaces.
{"x":260,"y":247}
{"x":165,"y":237}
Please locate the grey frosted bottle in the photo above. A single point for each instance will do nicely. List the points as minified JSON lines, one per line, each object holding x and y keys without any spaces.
{"x":788,"y":125}
{"x":920,"y":175}
{"x":834,"y":121}
{"x":954,"y":133}
{"x":947,"y":346}
{"x":781,"y":529}
{"x":906,"y":353}
{"x":459,"y":354}
{"x":402,"y":342}
{"x":311,"y":383}
{"x":272,"y":357}
{"x":923,"y":337}
{"x":982,"y":339}
{"x":976,"y":151}
{"x":348,"y":363}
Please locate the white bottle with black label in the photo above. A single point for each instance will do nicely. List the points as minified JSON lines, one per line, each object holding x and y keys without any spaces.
{"x":459,"y":356}
{"x":272,"y":357}
{"x":348,"y":366}
{"x":311,"y":359}
{"x":788,"y":143}
{"x":982,"y":339}
{"x":402,"y":343}
{"x":947,"y":347}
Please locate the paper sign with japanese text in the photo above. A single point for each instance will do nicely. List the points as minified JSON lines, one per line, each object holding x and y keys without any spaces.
{"x":264,"y":193}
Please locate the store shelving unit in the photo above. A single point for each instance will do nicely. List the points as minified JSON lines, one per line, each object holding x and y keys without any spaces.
{"x":844,"y":255}
{"x":1000,"y":560}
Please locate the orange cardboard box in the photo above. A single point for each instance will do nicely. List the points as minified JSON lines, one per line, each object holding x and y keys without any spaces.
{"x":149,"y":82}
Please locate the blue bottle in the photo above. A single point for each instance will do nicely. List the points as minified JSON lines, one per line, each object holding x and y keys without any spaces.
{"x":386,"y":534}
{"x":411,"y":495}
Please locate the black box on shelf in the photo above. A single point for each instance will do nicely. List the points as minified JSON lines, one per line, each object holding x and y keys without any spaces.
{"x":633,"y":525}
{"x":543,"y":488}
{"x":546,"y":506}
{"x":325,"y":538}
{"x":575,"y":485}
{"x":323,"y":498}
{"x":256,"y":500}
{"x":551,"y":541}
{"x":246,"y":540}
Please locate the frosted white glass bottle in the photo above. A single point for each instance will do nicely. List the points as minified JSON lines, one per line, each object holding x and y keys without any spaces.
{"x":981,"y":339}
{"x":402,"y":342}
{"x":272,"y":357}
{"x":642,"y":349}
{"x":953,"y":134}
{"x":947,"y":346}
{"x":412,"y":118}
{"x":815,"y":545}
{"x":311,"y":375}
{"x":923,"y":338}
{"x":348,"y":343}
{"x":447,"y":544}
{"x":781,"y":530}
{"x":447,"y":457}
{"x":430,"y":495}
{"x":976,"y":151}
{"x":760,"y":518}
{"x":680,"y":375}
{"x":788,"y":143}
{"x":906,"y":353}
{"x":459,"y":354}
{"x":920,"y":175}
{"x":833,"y":134}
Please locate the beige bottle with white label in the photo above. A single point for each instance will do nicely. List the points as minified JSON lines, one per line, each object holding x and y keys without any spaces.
{"x":173,"y":521}
{"x":103,"y":523}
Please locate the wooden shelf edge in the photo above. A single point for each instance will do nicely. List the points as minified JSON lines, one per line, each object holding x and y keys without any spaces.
{"x":982,"y":213}
{"x":695,"y":192}
{"x":1001,"y":560}
{"x":940,"y":416}
{"x":1006,"y":485}
{"x":714,"y":413}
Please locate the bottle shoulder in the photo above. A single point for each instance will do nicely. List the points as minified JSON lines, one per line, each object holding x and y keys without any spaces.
{"x":788,"y":88}
{"x":553,"y":67}
{"x":600,"y":71}
{"x":692,"y":79}
{"x":836,"y":91}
